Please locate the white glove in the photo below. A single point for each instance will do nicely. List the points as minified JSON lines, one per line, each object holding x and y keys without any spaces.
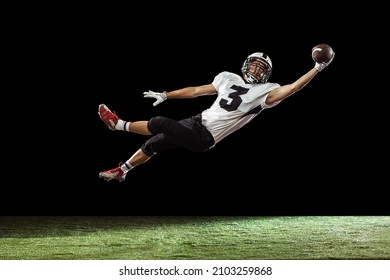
{"x":159,"y":96}
{"x":322,"y":65}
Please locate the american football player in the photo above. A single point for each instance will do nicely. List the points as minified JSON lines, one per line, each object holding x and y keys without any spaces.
{"x":239,"y":99}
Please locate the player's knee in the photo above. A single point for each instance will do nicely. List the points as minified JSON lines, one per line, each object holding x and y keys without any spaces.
{"x":147,"y":150}
{"x":157,"y":124}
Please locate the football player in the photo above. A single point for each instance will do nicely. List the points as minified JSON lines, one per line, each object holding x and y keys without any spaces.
{"x":239,"y":99}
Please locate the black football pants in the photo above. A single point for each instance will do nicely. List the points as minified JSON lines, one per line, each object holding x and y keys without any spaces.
{"x":169,"y":133}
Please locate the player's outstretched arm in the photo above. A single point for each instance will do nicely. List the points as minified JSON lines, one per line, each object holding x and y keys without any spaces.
{"x":187,"y":92}
{"x":285,"y":91}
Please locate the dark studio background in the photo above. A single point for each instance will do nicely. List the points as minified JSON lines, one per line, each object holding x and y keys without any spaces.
{"x":316,"y":153}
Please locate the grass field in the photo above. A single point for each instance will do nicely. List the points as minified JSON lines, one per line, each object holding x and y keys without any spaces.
{"x":194,"y":238}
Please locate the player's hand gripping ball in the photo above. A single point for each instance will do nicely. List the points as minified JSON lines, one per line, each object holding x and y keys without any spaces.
{"x":322,"y":53}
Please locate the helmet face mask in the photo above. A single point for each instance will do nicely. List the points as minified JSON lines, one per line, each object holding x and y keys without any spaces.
{"x":257,"y":68}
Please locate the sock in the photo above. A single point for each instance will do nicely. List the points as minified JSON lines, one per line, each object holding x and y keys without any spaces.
{"x":122,"y":125}
{"x":126,"y":166}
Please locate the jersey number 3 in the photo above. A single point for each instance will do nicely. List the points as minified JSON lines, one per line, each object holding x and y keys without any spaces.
{"x":236,"y":99}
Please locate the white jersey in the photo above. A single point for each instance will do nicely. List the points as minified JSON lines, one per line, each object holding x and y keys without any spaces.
{"x":236,"y":105}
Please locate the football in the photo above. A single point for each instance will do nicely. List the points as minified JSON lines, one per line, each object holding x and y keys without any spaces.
{"x":322,"y":53}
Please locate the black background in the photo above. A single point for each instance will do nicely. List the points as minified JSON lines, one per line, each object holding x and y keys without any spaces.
{"x":320,"y":152}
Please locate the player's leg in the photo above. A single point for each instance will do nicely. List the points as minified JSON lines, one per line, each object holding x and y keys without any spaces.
{"x":157,"y":143}
{"x":189,"y":133}
{"x":119,"y":173}
{"x":116,"y":124}
{"x":153,"y":145}
{"x":167,"y":133}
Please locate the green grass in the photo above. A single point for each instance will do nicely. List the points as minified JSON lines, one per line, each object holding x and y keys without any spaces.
{"x":194,"y":238}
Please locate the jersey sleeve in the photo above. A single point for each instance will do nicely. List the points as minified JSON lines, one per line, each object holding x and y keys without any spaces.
{"x":272,"y":86}
{"x":218,"y":80}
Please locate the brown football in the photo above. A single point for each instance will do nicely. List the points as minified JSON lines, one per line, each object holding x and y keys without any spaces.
{"x":322,"y":53}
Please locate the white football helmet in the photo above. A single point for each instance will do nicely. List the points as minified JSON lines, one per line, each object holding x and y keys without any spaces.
{"x":261,"y":70}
